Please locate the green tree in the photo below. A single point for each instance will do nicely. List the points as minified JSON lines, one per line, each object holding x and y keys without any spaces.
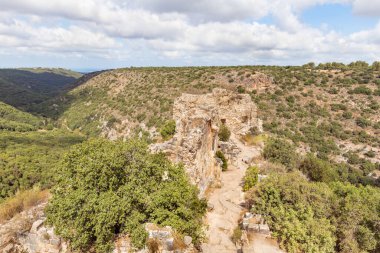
{"x":108,"y":187}
{"x":168,"y":129}
{"x":251,"y":178}
{"x":318,"y":169}
{"x":280,"y":151}
{"x":224,"y":133}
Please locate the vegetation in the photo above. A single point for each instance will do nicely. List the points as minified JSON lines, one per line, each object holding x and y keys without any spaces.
{"x":29,"y":159}
{"x":219,"y":154}
{"x":317,"y":116}
{"x":319,"y":217}
{"x":13,"y":119}
{"x":22,"y":201}
{"x":280,"y":151}
{"x":251,"y":178}
{"x":115,"y":187}
{"x":24,"y":88}
{"x":224,"y":133}
{"x":168,"y":129}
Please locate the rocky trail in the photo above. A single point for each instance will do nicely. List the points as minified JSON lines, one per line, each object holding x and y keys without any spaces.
{"x":228,"y":206}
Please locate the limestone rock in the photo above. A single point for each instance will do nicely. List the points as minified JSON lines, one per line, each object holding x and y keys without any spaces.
{"x":195,"y":142}
{"x":187,"y":240}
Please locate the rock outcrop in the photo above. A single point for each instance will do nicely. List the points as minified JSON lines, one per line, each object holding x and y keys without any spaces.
{"x":26,"y":232}
{"x":198,"y":118}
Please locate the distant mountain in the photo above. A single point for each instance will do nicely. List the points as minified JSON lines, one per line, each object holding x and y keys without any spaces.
{"x":24,"y":88}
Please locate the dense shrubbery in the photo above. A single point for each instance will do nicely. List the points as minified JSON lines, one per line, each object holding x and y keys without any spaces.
{"x":319,"y":170}
{"x":319,"y":217}
{"x":224,"y":133}
{"x":12,"y":119}
{"x":29,"y":159}
{"x":280,"y":151}
{"x":251,"y":178}
{"x":108,"y":187}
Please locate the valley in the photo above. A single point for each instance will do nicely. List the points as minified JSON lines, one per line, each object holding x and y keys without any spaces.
{"x":115,"y":151}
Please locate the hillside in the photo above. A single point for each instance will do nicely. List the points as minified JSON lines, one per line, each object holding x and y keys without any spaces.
{"x":29,"y":150}
{"x":333,"y":112}
{"x":23,"y":88}
{"x":293,"y":146}
{"x":13,"y":119}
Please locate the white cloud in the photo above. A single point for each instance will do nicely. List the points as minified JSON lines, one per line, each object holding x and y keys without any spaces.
{"x":367,"y":7}
{"x":194,"y":31}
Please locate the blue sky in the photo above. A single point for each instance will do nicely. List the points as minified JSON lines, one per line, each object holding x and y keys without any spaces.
{"x":102,"y":34}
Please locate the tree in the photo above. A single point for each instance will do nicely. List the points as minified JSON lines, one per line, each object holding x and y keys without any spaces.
{"x":251,"y":178}
{"x":376,"y":65}
{"x":280,"y":151}
{"x":108,"y":187}
{"x":318,"y":170}
{"x":168,"y":129}
{"x":224,"y":133}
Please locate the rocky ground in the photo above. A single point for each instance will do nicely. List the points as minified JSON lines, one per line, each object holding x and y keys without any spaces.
{"x":228,"y":207}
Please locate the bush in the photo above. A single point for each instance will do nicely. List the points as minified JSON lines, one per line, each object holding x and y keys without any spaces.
{"x":108,"y":187}
{"x":224,"y":133}
{"x":236,"y":235}
{"x":362,"y":122}
{"x":318,"y":170}
{"x":251,"y":178}
{"x":319,"y":217}
{"x":280,"y":151}
{"x":361,"y":90}
{"x":221,"y":156}
{"x":168,"y":129}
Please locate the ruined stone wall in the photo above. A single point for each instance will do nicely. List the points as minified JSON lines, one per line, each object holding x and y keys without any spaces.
{"x":198,"y":118}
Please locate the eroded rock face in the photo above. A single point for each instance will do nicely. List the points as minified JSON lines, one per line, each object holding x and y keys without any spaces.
{"x":260,"y":81}
{"x":198,"y":118}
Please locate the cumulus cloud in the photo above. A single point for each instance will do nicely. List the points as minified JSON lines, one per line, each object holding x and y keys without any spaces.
{"x":197,"y":31}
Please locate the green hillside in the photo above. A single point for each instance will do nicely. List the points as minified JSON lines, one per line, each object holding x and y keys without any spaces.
{"x":13,"y":119}
{"x":23,"y":88}
{"x":30,"y":159}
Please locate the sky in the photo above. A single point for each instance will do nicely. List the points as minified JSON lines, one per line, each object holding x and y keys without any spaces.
{"x":104,"y":34}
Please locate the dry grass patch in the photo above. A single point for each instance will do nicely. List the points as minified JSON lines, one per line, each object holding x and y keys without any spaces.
{"x":254,"y":140}
{"x":22,"y":201}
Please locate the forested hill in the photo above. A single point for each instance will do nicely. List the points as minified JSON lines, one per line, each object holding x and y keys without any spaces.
{"x":23,"y":88}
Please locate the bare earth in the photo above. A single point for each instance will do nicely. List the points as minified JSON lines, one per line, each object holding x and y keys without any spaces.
{"x":228,"y":202}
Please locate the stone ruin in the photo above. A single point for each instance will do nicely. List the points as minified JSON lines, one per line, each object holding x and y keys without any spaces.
{"x":198,"y":118}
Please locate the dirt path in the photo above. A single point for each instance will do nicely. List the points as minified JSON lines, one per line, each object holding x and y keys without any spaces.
{"x":228,"y":204}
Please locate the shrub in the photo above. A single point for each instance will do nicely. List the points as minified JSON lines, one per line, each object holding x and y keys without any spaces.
{"x":362,"y":122}
{"x":168,"y":129}
{"x":108,"y":187}
{"x":251,"y":178}
{"x":319,"y":217}
{"x":240,"y":89}
{"x":318,"y":170}
{"x":221,"y":156}
{"x":236,"y":235}
{"x":224,"y":133}
{"x":280,"y":151}
{"x":361,"y":90}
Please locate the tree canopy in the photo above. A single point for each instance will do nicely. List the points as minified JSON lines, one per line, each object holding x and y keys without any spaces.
{"x":108,"y":187}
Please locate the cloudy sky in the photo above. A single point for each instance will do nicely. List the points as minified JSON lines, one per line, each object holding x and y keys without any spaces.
{"x":98,"y":34}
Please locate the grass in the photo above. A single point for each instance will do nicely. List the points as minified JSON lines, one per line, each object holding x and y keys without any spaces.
{"x":22,"y":201}
{"x":254,"y":140}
